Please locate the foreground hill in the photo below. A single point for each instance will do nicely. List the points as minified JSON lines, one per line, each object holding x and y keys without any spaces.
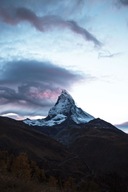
{"x":95,"y":152}
{"x":105,"y":150}
{"x":16,"y":137}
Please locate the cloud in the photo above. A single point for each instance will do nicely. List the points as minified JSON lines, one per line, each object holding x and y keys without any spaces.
{"x":122,"y":125}
{"x":45,"y":23}
{"x":34,"y":71}
{"x":30,"y":85}
{"x":120,"y":3}
{"x":6,"y":94}
{"x":29,"y":95}
{"x":13,"y":116}
{"x":108,"y":54}
{"x":124,"y":2}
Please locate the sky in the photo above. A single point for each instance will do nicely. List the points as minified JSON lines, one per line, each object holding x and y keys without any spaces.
{"x":50,"y":45}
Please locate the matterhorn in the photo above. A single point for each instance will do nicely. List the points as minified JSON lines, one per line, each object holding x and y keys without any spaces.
{"x":64,"y":110}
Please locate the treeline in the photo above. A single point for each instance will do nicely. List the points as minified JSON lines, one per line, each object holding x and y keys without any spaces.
{"x":20,"y":166}
{"x":19,"y":173}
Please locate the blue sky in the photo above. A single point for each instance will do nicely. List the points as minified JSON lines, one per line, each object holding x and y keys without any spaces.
{"x":77,"y":45}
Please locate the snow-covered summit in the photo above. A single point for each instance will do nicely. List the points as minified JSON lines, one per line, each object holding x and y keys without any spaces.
{"x":64,"y":109}
{"x":63,"y":104}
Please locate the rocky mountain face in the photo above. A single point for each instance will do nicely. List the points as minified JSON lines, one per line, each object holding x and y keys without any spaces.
{"x":63,"y":110}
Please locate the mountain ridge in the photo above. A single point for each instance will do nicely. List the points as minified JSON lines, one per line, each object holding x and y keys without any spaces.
{"x":64,"y":109}
{"x":84,"y":151}
{"x":65,"y":119}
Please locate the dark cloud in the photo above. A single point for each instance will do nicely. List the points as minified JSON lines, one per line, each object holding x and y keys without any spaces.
{"x":28,"y":95}
{"x":16,"y":15}
{"x":32,"y":84}
{"x":35,"y":71}
{"x":79,"y":30}
{"x":124,"y":2}
{"x":6,"y":94}
{"x":120,"y":3}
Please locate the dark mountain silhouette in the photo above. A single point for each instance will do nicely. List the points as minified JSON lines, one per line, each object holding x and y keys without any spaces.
{"x":17,"y":137}
{"x":65,"y":144}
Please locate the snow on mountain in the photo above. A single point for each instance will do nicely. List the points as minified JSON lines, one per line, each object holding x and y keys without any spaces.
{"x":63,"y":105}
{"x":58,"y":119}
{"x":63,"y":109}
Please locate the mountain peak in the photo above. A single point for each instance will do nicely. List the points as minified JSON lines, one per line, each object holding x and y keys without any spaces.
{"x":63,"y":105}
{"x":65,"y":96}
{"x":64,"y":109}
{"x":65,"y":93}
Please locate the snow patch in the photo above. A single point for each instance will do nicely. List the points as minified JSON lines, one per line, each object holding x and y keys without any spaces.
{"x":58,"y":119}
